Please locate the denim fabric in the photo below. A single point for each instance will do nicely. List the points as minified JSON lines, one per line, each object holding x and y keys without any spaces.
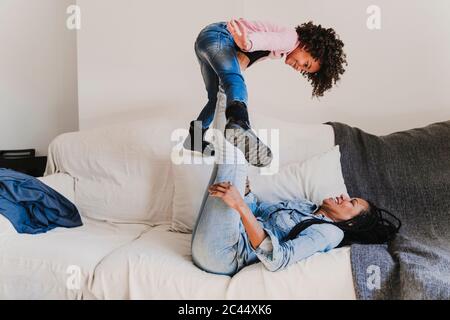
{"x":278,"y":218}
{"x":219,"y":241}
{"x":33,"y":207}
{"x":216,"y":53}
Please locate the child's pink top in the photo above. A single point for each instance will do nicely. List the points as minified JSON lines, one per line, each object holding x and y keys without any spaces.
{"x":264,"y":35}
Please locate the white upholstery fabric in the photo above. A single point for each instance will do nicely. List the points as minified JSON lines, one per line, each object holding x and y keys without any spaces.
{"x":322,"y":276}
{"x":315,"y":179}
{"x":62,"y":183}
{"x":122,"y":172}
{"x":6,"y":227}
{"x":41,"y":266}
{"x":158,"y":266}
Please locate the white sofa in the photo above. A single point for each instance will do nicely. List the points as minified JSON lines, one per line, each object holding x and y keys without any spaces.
{"x":121,"y":178}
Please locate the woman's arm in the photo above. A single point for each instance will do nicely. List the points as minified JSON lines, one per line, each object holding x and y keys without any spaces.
{"x":317,"y":238}
{"x":231,"y":196}
{"x":255,"y":233}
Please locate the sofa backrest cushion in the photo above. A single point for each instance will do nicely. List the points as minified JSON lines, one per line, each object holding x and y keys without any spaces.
{"x":122,"y":172}
{"x":315,"y":179}
{"x":62,"y":183}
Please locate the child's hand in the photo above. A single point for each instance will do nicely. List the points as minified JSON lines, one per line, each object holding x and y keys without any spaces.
{"x":239,"y":34}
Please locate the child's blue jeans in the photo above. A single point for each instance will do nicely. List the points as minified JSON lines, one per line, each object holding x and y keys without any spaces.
{"x":216,"y":52}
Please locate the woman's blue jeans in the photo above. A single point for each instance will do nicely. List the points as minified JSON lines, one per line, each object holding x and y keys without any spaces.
{"x":216,"y":52}
{"x":220,"y":243}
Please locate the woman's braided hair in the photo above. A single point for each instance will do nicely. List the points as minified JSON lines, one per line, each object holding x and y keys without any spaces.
{"x":325,"y":46}
{"x":371,"y":226}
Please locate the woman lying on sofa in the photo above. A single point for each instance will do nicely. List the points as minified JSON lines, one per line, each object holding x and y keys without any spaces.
{"x":234,"y":229}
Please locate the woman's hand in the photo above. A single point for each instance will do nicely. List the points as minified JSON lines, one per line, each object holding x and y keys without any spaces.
{"x":228,"y":193}
{"x":239,"y":34}
{"x":231,"y":196}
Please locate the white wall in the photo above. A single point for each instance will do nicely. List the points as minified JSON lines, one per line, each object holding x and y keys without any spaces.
{"x":137,"y":56}
{"x":38,"y":78}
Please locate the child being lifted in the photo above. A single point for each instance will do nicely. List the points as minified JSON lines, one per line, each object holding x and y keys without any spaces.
{"x":225,"y":49}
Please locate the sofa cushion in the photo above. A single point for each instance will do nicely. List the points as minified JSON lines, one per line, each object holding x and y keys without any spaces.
{"x":62,"y":183}
{"x":315,"y":179}
{"x":158,"y":265}
{"x":59,"y":264}
{"x":322,"y":276}
{"x":122,"y":172}
{"x":6,"y":226}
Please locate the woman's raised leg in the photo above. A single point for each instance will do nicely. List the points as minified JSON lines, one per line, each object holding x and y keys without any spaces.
{"x":219,"y":242}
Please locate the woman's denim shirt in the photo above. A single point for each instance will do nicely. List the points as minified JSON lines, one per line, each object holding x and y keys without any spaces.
{"x":278,"y":218}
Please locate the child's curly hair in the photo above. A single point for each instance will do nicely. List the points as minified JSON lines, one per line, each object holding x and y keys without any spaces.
{"x":325,"y":46}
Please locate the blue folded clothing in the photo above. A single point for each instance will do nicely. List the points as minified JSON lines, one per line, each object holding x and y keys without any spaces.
{"x":32,"y":206}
